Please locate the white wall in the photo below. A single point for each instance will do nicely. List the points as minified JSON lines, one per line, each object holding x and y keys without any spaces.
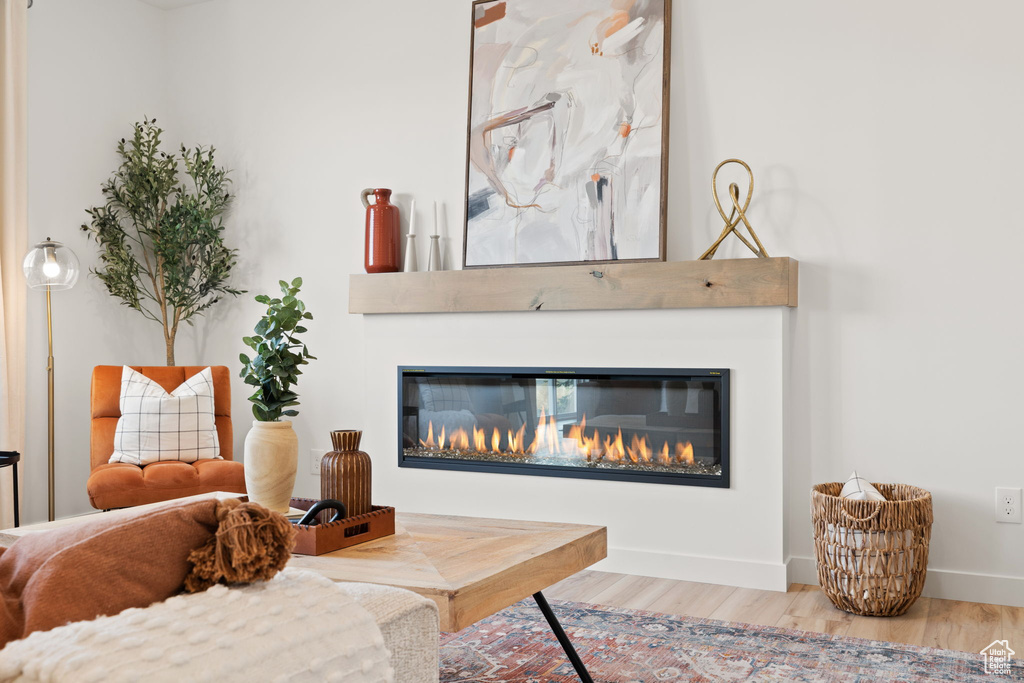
{"x":884,"y":138}
{"x":94,"y":68}
{"x":310,"y":103}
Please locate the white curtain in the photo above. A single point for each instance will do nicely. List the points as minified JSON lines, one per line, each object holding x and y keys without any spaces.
{"x":13,"y":238}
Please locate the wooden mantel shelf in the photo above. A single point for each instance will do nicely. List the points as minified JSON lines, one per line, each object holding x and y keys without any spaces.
{"x":677,"y":284}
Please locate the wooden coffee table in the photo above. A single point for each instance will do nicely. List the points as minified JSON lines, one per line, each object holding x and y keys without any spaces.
{"x":470,"y":567}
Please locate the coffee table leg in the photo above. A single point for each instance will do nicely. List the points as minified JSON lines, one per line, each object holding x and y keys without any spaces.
{"x":563,"y":639}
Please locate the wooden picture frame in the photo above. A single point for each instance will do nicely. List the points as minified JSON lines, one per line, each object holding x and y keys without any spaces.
{"x":567,"y":133}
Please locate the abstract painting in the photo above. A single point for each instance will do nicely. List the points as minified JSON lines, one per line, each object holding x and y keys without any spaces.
{"x":568,"y":131}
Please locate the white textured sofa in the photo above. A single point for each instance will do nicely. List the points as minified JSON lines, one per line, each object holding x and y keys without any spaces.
{"x":299,"y":626}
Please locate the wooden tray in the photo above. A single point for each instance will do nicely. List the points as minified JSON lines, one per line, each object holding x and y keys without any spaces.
{"x":330,"y":536}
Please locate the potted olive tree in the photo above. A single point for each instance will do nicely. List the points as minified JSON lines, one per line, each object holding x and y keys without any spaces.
{"x":271,"y":447}
{"x":161,"y":242}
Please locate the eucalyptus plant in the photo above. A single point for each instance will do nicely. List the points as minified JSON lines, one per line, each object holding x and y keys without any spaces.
{"x":162,"y":250}
{"x":279,"y":353}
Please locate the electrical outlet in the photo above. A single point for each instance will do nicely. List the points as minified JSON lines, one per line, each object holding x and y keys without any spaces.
{"x":315,"y":456}
{"x":1008,"y":508}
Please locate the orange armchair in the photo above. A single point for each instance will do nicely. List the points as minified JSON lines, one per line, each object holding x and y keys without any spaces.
{"x":118,"y":485}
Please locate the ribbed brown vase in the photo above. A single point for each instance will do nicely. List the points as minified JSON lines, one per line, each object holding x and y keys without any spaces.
{"x":345,"y":474}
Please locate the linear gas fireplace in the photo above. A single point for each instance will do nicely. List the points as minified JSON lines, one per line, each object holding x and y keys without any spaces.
{"x":665,"y":426}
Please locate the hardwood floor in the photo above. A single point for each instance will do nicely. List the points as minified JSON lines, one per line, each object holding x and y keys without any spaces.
{"x":947,"y":624}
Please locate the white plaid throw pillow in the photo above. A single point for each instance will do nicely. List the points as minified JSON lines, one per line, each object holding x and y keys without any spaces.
{"x":859,"y":488}
{"x":156,"y":426}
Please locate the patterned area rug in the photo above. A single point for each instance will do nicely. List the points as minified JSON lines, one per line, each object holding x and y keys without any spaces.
{"x":631,"y":646}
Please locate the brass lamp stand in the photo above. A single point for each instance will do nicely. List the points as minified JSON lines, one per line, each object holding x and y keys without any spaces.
{"x":50,"y":265}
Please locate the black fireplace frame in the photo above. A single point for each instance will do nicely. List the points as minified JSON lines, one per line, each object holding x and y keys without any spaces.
{"x":680,"y":479}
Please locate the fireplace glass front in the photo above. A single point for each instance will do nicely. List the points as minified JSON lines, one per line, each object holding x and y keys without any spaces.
{"x":668,"y":426}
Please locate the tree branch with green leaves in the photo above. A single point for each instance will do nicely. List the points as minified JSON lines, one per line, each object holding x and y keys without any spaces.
{"x":162,"y":249}
{"x":274,"y":368}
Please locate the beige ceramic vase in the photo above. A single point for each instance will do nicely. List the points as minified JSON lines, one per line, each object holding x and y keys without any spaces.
{"x":271,"y":460}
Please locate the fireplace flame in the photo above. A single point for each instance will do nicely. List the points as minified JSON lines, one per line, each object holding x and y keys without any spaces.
{"x":554,"y":440}
{"x":538,"y":436}
{"x":429,"y":443}
{"x":543,"y":436}
{"x":515,"y":440}
{"x":548,"y":439}
{"x":576,"y":434}
{"x":588,"y":447}
{"x":613,"y":449}
{"x":638,"y":450}
{"x":459,"y":440}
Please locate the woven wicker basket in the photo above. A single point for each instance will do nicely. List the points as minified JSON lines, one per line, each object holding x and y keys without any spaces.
{"x":872,"y":555}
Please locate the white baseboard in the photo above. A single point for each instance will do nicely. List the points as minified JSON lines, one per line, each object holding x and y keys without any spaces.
{"x":724,"y":571}
{"x":941,"y":583}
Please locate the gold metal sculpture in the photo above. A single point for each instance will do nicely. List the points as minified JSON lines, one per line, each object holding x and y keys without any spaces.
{"x":739,"y":213}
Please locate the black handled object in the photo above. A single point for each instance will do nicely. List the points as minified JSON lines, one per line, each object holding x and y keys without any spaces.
{"x":327,"y":504}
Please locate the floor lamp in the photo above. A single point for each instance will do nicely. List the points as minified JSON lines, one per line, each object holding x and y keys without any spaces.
{"x":51,"y":266}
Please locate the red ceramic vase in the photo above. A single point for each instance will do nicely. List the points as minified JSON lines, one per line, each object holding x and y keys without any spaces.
{"x":383,"y":250}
